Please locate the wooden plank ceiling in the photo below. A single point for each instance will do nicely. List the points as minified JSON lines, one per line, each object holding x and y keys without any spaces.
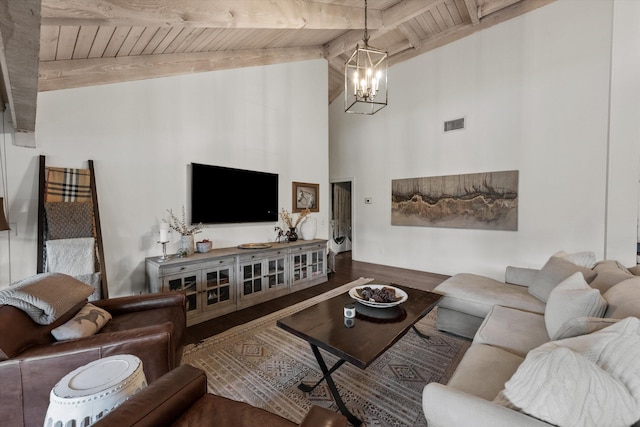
{"x":92,"y":42}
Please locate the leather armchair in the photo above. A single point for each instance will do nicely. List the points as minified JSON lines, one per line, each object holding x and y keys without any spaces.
{"x":180,"y":399}
{"x":32,"y":361}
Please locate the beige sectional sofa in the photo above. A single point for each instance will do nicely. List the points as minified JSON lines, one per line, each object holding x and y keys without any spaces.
{"x":555,"y":346}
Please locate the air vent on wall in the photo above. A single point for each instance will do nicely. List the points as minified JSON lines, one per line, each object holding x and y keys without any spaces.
{"x":455,"y":124}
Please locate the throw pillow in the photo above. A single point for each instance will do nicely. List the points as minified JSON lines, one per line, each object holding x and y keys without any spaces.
{"x":89,"y":320}
{"x":570,"y":299}
{"x":609,"y":273}
{"x":585,"y":258}
{"x":589,"y":381}
{"x":635,"y":270}
{"x":553,"y":272}
{"x":69,"y":220}
{"x":624,"y":299}
{"x":582,"y":326}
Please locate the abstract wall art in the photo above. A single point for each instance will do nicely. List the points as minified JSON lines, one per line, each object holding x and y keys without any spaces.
{"x":479,"y":200}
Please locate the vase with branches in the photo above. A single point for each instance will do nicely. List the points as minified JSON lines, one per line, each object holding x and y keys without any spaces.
{"x":291,"y":222}
{"x":187,"y":242}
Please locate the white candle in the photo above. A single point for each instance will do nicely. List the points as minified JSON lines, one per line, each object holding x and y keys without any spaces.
{"x":164,"y":232}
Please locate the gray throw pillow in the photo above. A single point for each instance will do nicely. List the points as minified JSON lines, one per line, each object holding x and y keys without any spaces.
{"x":571,"y":299}
{"x":555,"y":271}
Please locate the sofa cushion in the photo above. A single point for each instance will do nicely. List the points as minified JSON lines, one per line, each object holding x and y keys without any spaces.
{"x":475,"y":295}
{"x":458,"y":323}
{"x":513,"y":330}
{"x":623,"y":299}
{"x":483,"y":371}
{"x":591,"y":380}
{"x":570,"y":299}
{"x":89,"y":320}
{"x":555,"y":271}
{"x":609,"y":273}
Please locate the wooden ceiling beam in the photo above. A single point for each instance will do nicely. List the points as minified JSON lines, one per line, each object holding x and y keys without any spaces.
{"x":410,"y":35}
{"x":472,"y":8}
{"x":460,"y":31}
{"x":392,"y":18}
{"x":405,"y":10}
{"x":281,"y":14}
{"x":19,"y":49}
{"x":493,"y":6}
{"x":72,"y":73}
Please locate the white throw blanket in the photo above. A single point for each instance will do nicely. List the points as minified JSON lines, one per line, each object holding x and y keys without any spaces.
{"x":586,"y":381}
{"x":44,"y":297}
{"x":71,"y":256}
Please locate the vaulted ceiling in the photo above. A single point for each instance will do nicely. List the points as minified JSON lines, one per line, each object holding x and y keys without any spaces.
{"x":57,"y":44}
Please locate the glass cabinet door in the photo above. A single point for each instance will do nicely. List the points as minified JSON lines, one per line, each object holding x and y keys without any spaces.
{"x":217,"y":286}
{"x":187,"y":283}
{"x":317,"y":263}
{"x":252,"y":278}
{"x":276,"y":275}
{"x":299,"y":267}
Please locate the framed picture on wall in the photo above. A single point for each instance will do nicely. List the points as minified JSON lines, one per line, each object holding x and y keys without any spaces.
{"x":306,"y":196}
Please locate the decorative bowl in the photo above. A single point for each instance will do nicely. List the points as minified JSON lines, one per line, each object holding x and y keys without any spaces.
{"x":204,"y":247}
{"x":400,"y":294}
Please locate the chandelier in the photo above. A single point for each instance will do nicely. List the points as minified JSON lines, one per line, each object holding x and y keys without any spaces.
{"x":365,"y":77}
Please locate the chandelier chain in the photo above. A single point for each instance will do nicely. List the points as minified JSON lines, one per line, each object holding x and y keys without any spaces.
{"x":366,"y":31}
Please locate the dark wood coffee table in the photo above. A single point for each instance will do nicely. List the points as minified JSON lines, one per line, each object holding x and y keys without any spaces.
{"x":371,"y":333}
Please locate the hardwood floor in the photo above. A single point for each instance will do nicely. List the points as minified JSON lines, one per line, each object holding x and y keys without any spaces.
{"x":346,"y":270}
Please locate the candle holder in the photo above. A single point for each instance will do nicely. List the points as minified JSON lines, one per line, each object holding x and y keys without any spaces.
{"x":164,"y":239}
{"x":164,"y":256}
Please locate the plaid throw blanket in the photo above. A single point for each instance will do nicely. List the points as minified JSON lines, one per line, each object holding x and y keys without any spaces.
{"x":68,"y":185}
{"x":45,"y":297}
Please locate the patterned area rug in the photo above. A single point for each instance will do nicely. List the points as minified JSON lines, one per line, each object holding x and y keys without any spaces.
{"x":261,"y":364}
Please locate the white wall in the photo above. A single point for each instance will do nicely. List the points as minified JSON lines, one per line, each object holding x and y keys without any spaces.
{"x":142,"y":135}
{"x":624,"y":136}
{"x":535,"y":92}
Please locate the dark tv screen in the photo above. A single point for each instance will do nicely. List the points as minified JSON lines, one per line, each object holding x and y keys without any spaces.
{"x":221,"y":195}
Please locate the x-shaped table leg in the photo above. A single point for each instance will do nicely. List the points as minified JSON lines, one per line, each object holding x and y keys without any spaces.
{"x":332,"y":386}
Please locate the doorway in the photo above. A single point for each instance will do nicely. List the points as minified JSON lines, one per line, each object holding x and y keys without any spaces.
{"x":341,"y":226}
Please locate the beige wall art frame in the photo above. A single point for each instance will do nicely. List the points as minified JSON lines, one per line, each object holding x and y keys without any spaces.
{"x":486,"y":201}
{"x":306,"y":196}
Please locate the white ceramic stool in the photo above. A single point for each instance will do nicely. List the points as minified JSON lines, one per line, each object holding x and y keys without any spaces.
{"x":90,"y":392}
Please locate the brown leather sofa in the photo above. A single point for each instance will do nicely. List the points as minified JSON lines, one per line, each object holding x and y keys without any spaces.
{"x":32,"y":361}
{"x":180,"y":399}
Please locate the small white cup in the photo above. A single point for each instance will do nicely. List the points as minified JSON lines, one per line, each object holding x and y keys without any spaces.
{"x":350,"y":310}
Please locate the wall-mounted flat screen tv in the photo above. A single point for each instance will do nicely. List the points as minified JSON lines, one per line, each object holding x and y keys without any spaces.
{"x":221,"y":195}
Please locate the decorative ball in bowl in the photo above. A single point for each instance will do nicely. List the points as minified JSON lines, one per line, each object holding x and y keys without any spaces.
{"x":204,"y":246}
